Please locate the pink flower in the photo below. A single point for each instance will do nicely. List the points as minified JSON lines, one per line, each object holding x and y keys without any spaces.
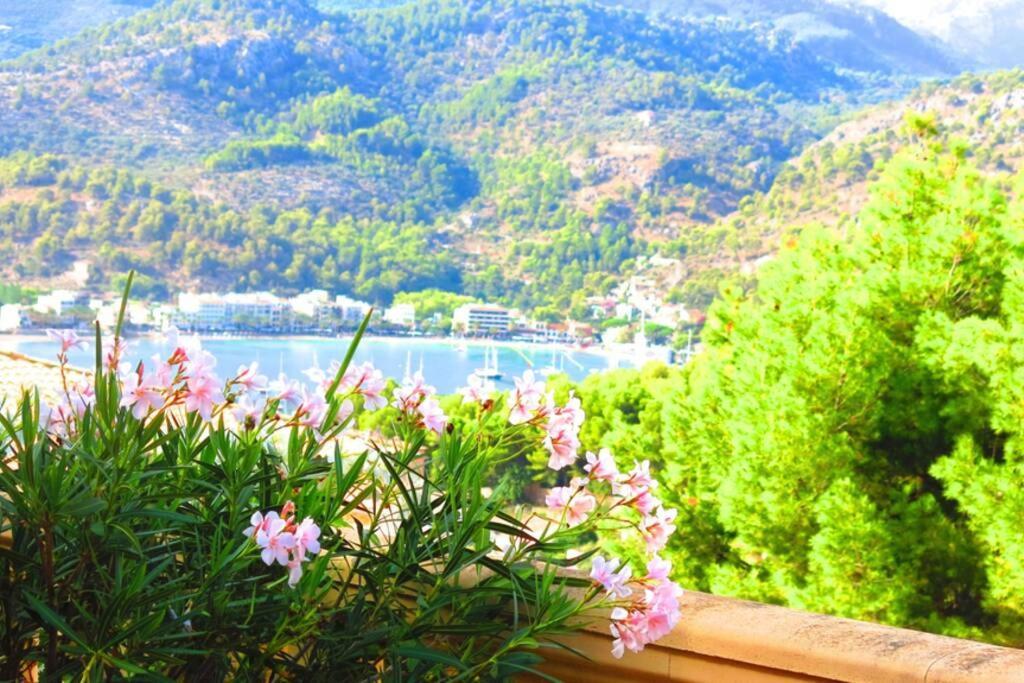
{"x":141,"y":394}
{"x":577,"y":505}
{"x":525,"y":398}
{"x":432,"y":415}
{"x":601,"y":466}
{"x":411,"y":393}
{"x":558,"y":497}
{"x":81,"y":397}
{"x":572,"y":411}
{"x":113,"y":351}
{"x":58,"y":420}
{"x":645,"y":502}
{"x":68,"y":339}
{"x":294,"y":572}
{"x":201,"y":393}
{"x":477,"y":389}
{"x":275,"y":541}
{"x":658,"y":569}
{"x":307,"y":536}
{"x":562,"y":443}
{"x":247,"y":411}
{"x":200,"y":362}
{"x":657,"y":528}
{"x":604,"y":573}
{"x":310,"y":412}
{"x":164,"y":373}
{"x":636,"y":480}
{"x":248,"y":377}
{"x":368,"y":382}
{"x":319,"y":377}
{"x":286,"y":391}
{"x":345,"y":410}
{"x":259,"y":523}
{"x":580,"y":508}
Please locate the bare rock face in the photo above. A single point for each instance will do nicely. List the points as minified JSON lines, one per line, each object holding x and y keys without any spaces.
{"x":987,"y":30}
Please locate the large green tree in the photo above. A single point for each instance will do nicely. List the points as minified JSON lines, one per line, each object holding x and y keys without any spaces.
{"x":850,"y":441}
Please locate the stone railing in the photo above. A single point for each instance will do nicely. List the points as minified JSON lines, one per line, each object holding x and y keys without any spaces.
{"x":723,"y":640}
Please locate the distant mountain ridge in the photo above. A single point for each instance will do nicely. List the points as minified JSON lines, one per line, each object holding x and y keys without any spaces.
{"x":528,"y":151}
{"x":991,"y":31}
{"x":850,"y":35}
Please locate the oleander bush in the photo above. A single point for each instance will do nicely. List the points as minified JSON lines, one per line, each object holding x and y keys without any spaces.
{"x":165,"y":524}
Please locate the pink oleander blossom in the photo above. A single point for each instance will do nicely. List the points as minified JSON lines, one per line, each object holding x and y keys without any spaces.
{"x":635,"y":481}
{"x":611,"y":578}
{"x":113,"y":352}
{"x":601,"y":466}
{"x":286,"y":391}
{"x":258,"y":522}
{"x":576,"y":504}
{"x":307,"y":535}
{"x":432,"y":415}
{"x":294,"y":572}
{"x":68,"y":339}
{"x":202,"y":392}
{"x":248,"y":411}
{"x":657,"y":528}
{"x":249,"y":378}
{"x":81,"y":397}
{"x":525,"y":399}
{"x":368,"y":382}
{"x":477,"y":389}
{"x":311,"y":410}
{"x":562,"y":443}
{"x":141,"y":394}
{"x":58,"y":420}
{"x":276,"y":542}
{"x":411,"y":393}
{"x":645,"y":502}
{"x":658,"y":569}
{"x":164,"y":374}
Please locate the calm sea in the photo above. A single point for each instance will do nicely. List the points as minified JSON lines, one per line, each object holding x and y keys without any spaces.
{"x":445,"y":364}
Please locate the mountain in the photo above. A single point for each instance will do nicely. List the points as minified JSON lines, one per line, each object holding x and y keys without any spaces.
{"x":981,"y":116}
{"x":29,"y":24}
{"x":987,"y":30}
{"x":852,"y":36}
{"x":536,"y":149}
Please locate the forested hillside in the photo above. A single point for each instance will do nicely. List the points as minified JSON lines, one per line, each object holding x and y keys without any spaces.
{"x":850,"y":440}
{"x":982,"y":116}
{"x":536,"y":147}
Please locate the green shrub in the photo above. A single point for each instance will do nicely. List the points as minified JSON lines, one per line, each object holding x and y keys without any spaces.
{"x":168,"y":525}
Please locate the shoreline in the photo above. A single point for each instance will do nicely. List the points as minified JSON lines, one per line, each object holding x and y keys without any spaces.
{"x":8,"y":340}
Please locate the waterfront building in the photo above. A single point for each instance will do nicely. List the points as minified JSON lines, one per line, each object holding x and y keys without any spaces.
{"x":12,"y":317}
{"x":209,"y":311}
{"x":481,"y":318}
{"x":403,"y":315}
{"x":58,"y":301}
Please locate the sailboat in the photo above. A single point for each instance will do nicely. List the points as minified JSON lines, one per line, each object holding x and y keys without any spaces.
{"x":553,"y":368}
{"x":489,"y":371}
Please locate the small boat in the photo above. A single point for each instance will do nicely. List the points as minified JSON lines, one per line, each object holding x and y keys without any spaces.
{"x":489,"y":371}
{"x":554,"y":368}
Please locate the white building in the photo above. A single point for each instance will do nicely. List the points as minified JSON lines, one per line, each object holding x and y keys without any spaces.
{"x":351,"y":310}
{"x":401,"y":314}
{"x":312,"y":304}
{"x":318,"y":306}
{"x":136,"y":312}
{"x":232,"y":311}
{"x":58,"y":301}
{"x":474,"y":318}
{"x":12,"y":316}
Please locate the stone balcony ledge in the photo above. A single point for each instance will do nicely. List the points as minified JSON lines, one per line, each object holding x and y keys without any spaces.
{"x":723,"y":639}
